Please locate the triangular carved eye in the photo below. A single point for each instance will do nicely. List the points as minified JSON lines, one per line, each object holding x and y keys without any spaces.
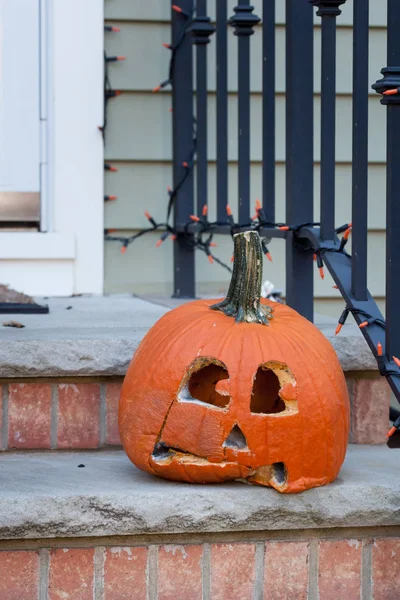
{"x":265,"y":397}
{"x":208,"y":384}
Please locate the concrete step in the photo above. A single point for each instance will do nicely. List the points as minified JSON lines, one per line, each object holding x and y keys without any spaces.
{"x":91,"y":526}
{"x":47,"y":494}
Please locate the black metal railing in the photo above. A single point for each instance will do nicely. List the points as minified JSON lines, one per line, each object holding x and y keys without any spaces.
{"x":299,"y":151}
{"x":304,"y":238}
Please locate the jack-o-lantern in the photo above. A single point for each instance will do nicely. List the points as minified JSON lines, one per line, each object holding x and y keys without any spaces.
{"x":239,"y":390}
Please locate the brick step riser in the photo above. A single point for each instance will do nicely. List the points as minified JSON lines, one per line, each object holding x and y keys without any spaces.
{"x":60,"y":415}
{"x":328,"y":569}
{"x":56,"y":414}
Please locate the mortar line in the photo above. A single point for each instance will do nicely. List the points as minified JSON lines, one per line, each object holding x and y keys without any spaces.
{"x":54,"y":416}
{"x":103,"y":414}
{"x":366,"y":570}
{"x":152,"y":572}
{"x":206,"y":572}
{"x":44,"y":567}
{"x":98,"y":582}
{"x":4,"y":417}
{"x":259,"y":574}
{"x":313,"y":593}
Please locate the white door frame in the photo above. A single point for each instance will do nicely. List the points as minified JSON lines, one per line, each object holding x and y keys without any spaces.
{"x":72,"y":159}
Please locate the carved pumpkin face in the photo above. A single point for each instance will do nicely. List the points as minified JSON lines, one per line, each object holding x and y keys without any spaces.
{"x":208,"y":399}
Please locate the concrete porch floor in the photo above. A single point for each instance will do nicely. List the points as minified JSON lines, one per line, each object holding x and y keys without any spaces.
{"x":97,"y":335}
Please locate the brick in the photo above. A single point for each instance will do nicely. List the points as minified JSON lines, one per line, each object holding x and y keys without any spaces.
{"x":71,"y":574}
{"x":339,"y":573}
{"x":19,"y":575}
{"x":370,"y":402}
{"x":286,"y":570}
{"x":385,"y":569}
{"x":180,"y":572}
{"x":29,"y":415}
{"x":124,"y":571}
{"x":113,"y":391}
{"x":232,"y":571}
{"x":78,"y":415}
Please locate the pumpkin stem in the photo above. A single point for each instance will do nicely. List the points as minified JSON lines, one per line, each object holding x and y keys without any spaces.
{"x":243,"y":298}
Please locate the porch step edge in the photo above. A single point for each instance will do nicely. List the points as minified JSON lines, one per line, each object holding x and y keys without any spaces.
{"x":47,"y":495}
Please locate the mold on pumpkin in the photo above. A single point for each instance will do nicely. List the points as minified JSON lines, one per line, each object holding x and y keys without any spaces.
{"x":264,"y":400}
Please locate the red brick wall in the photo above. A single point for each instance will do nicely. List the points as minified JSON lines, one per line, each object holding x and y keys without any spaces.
{"x":272,"y":570}
{"x":56,"y":414}
{"x":67,"y":414}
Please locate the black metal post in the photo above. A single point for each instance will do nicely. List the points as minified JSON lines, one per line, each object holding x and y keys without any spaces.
{"x":243,"y":22}
{"x":393,"y":185}
{"x":222,"y":109}
{"x":299,"y":150}
{"x":268,"y":109}
{"x":360,"y":151}
{"x":201,"y":29}
{"x":182,"y":132}
{"x":328,"y":10}
{"x":391,"y":81}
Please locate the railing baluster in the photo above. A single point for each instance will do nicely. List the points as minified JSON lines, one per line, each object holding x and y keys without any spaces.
{"x":391,"y":83}
{"x":328,"y":10}
{"x":299,"y":150}
{"x":244,"y":21}
{"x":268,"y":110}
{"x":182,"y":133}
{"x":201,"y":29}
{"x":393,"y":186}
{"x":222,"y":109}
{"x":360,"y":151}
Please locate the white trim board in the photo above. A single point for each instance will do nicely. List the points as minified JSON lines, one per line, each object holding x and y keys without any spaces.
{"x":76,"y":148}
{"x":36,"y":246}
{"x":39,"y":277}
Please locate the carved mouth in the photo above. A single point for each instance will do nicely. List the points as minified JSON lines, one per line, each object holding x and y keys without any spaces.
{"x":275,"y":475}
{"x":163,"y":454}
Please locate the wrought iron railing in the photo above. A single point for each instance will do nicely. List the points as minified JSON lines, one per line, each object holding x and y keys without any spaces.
{"x":304,"y":238}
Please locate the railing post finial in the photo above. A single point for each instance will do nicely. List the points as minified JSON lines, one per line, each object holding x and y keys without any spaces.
{"x":389,"y":85}
{"x":327,"y":7}
{"x":201,"y":29}
{"x":244,"y":20}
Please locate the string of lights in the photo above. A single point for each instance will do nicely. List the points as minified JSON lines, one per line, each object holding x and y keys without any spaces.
{"x":165,"y":227}
{"x":356,"y":311}
{"x":207,"y":228}
{"x":109,"y":93}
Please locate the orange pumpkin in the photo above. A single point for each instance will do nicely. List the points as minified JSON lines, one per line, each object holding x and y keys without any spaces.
{"x":243,"y":390}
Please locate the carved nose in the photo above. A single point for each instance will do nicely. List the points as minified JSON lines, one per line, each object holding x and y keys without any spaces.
{"x":236,"y":439}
